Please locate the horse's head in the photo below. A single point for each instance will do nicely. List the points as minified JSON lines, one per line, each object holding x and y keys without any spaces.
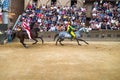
{"x":84,"y":29}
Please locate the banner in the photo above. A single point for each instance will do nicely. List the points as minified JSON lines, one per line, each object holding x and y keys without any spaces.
{"x":5,"y":5}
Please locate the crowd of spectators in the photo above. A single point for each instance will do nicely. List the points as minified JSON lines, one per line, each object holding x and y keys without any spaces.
{"x":105,"y":16}
{"x":55,"y":18}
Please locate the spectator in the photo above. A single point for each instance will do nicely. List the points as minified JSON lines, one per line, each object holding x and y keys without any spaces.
{"x":105,"y":16}
{"x":9,"y":33}
{"x":52,"y":27}
{"x":102,"y":16}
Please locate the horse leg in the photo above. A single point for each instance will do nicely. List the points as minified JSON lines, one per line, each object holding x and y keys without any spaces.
{"x":22,"y":41}
{"x":84,"y":41}
{"x":61,"y":41}
{"x":41,"y":39}
{"x":57,"y":40}
{"x":78,"y":42}
{"x":35,"y":41}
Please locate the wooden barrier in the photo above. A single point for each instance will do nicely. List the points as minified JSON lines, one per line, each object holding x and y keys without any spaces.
{"x":95,"y":35}
{"x":2,"y":38}
{"x":3,"y":28}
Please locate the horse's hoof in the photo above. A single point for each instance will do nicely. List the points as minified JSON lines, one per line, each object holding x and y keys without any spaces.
{"x":79,"y":44}
{"x":26,"y":46}
{"x":42,"y":42}
{"x":87,"y":43}
{"x":33,"y":43}
{"x":62,"y":44}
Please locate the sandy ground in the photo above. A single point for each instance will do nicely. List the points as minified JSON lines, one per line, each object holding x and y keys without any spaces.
{"x":97,"y":61}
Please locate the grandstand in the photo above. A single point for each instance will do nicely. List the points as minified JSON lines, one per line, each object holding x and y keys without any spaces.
{"x":19,"y":8}
{"x":88,"y":4}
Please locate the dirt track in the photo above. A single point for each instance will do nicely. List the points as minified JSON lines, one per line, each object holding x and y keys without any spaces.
{"x":97,"y":61}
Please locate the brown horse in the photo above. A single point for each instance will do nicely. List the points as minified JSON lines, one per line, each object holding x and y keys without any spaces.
{"x":22,"y":35}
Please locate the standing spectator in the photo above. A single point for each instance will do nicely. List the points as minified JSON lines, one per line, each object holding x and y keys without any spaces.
{"x":9,"y":33}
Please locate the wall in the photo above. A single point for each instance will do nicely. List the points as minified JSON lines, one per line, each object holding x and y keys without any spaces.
{"x":26,"y":2}
{"x":80,"y":3}
{"x":104,"y":35}
{"x":59,"y":2}
{"x":64,"y":3}
{"x":89,"y":9}
{"x":17,"y":7}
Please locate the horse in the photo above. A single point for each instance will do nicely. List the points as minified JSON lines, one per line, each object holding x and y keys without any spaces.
{"x":65,"y":35}
{"x":22,"y":35}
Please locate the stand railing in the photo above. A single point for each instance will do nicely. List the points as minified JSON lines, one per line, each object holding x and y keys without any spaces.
{"x":16,"y":22}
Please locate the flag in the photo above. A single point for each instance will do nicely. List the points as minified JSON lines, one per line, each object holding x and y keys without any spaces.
{"x":27,"y":28}
{"x":5,"y":5}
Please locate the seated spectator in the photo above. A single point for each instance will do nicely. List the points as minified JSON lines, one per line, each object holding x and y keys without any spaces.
{"x":105,"y":16}
{"x":55,"y":18}
{"x":52,"y":27}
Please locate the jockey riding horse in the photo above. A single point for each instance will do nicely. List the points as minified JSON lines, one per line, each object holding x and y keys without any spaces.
{"x":22,"y":34}
{"x":70,"y":30}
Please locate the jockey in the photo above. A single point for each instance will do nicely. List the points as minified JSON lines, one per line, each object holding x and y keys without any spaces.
{"x":26,"y":27}
{"x":70,"y":30}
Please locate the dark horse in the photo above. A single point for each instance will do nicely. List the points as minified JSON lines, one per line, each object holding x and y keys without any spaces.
{"x":22,"y":35}
{"x":65,"y":35}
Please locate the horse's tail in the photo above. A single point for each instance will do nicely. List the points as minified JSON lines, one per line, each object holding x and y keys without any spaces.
{"x":56,"y":36}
